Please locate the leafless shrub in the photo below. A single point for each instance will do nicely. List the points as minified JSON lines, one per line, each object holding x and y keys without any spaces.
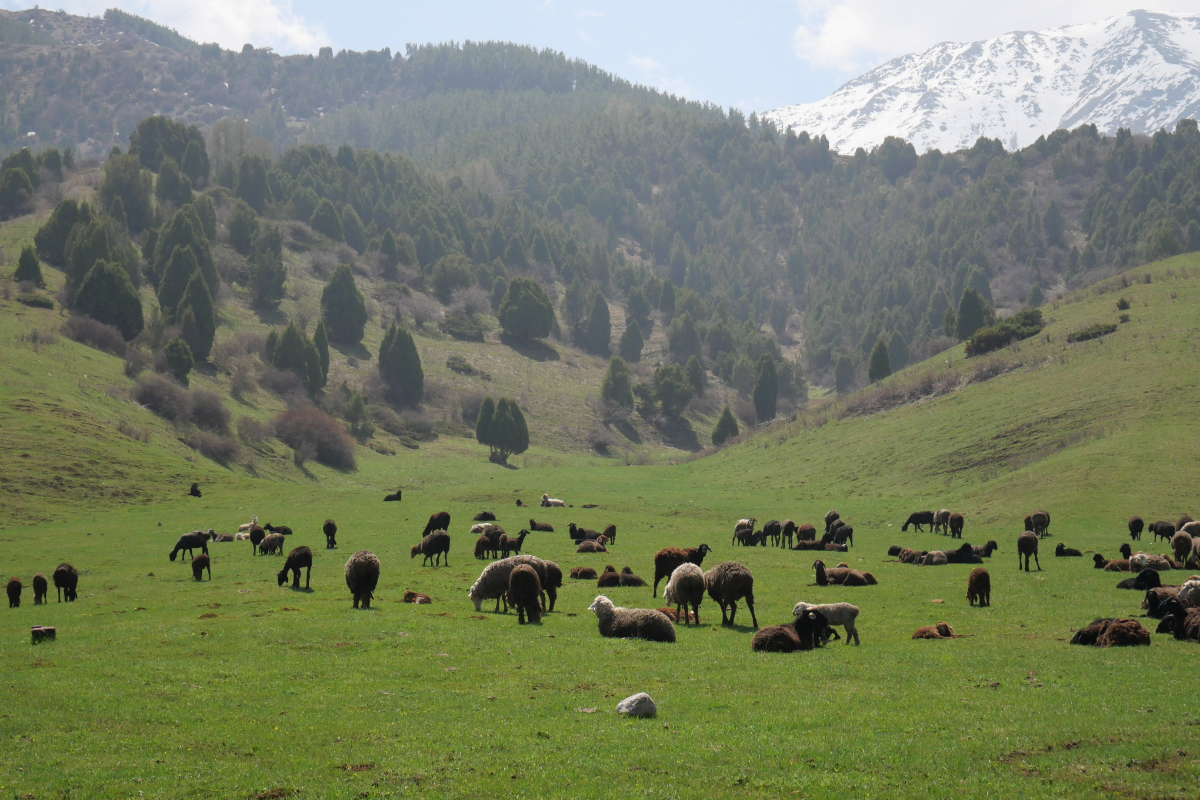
{"x":232,"y":266}
{"x":991,"y":368}
{"x":604,"y":441}
{"x":419,"y":422}
{"x":92,"y":333}
{"x":939,"y":344}
{"x":243,"y":382}
{"x":137,"y":361}
{"x":229,"y":349}
{"x":163,"y":396}
{"x":312,"y":431}
{"x":743,"y":407}
{"x":469,"y":403}
{"x":471,"y":301}
{"x":251,"y":431}
{"x":436,"y":391}
{"x":421,"y":309}
{"x":323,"y":263}
{"x":134,"y":432}
{"x":213,"y":446}
{"x":281,"y":382}
{"x":207,"y":411}
{"x":37,"y":338}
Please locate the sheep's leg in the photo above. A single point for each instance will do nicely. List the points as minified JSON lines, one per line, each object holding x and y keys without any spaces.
{"x":307,"y":576}
{"x":696,"y":611}
{"x":1035,"y":560}
{"x":750,"y":605}
{"x":657,"y":578}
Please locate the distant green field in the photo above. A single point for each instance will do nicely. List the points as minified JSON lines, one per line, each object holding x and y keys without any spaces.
{"x":162,"y":687}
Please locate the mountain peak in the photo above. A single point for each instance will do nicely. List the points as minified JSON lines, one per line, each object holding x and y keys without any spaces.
{"x":1138,"y":70}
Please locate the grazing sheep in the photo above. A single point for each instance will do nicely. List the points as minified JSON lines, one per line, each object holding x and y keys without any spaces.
{"x":685,"y":589}
{"x":632,"y":623}
{"x":1027,"y":545}
{"x":588,"y":546}
{"x":979,"y":587}
{"x":40,"y":588}
{"x":985,"y":551}
{"x":189,"y":541}
{"x":512,"y":546}
{"x":838,"y":576}
{"x":608,"y":578}
{"x":843,"y":535}
{"x":485,"y":516}
{"x":787,"y":533}
{"x":941,"y":521}
{"x":483,"y":547}
{"x":437,"y":522}
{"x":394,"y":497}
{"x":416,"y":598}
{"x":1181,"y":546}
{"x":434,"y":545}
{"x":727,"y":583}
{"x":749,"y":538}
{"x":1164,"y":530}
{"x":273,"y":543}
{"x":1191,"y":529}
{"x":610,"y":533}
{"x":1062,"y":551}
{"x":940,"y":631}
{"x":675,"y":616}
{"x":831,"y":516}
{"x":66,"y":582}
{"x":524,"y":592}
{"x":362,"y":576}
{"x":541,"y":526}
{"x":14,"y":592}
{"x":553,"y":582}
{"x":1184,"y":520}
{"x":300,"y":558}
{"x":492,"y":583}
{"x":583,"y":573}
{"x":1140,"y":561}
{"x":917,"y":519}
{"x":957,"y":522}
{"x":629,"y":579}
{"x":284,"y":529}
{"x":1041,"y":523}
{"x":552,"y":502}
{"x":1136,"y":526}
{"x":844,"y":614}
{"x":199,"y":564}
{"x":257,"y":534}
{"x":667,"y":559}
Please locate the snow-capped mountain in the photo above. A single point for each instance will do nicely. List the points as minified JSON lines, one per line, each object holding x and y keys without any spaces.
{"x":1139,"y":70}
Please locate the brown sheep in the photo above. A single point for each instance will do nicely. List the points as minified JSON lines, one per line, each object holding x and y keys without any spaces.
{"x":14,"y":592}
{"x":483,"y":547}
{"x":957,"y":521}
{"x":627,"y":578}
{"x":40,"y":588}
{"x":434,"y":546}
{"x":838,"y":576}
{"x":300,"y":558}
{"x":776,"y":639}
{"x":810,"y":544}
{"x":485,"y":516}
{"x":610,"y":533}
{"x":583,"y":573}
{"x":1163,"y":530}
{"x":189,"y":541}
{"x":362,"y":576}
{"x":437,"y":522}
{"x":553,"y":582}
{"x":1136,"y":526}
{"x":510,"y":545}
{"x":772,"y":531}
{"x":272,"y":543}
{"x":787,"y":533}
{"x":609,"y":578}
{"x":979,"y":587}
{"x":541,"y":526}
{"x":1041,"y":523}
{"x":416,"y":598}
{"x":667,"y":559}
{"x":806,"y":532}
{"x":727,"y":583}
{"x":940,"y":631}
{"x":199,"y":564}
{"x":524,"y":592}
{"x":588,"y":546}
{"x":66,"y":582}
{"x":1124,"y":633}
{"x":831,"y":516}
{"x":1117,"y":565}
{"x":1181,"y":546}
{"x":1027,"y":545}
{"x":1184,"y":520}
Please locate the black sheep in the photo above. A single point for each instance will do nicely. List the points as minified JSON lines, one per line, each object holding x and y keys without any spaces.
{"x":298,"y":559}
{"x":199,"y":564}
{"x":524,"y":592}
{"x":394,"y":497}
{"x":917,"y":519}
{"x":40,"y":588}
{"x":772,"y":531}
{"x":330,"y":529}
{"x":1164,"y":530}
{"x":257,"y":534}
{"x":485,"y":516}
{"x":1062,"y":551}
{"x":284,"y":529}
{"x":195,"y":490}
{"x":14,"y":592}
{"x":191,"y":540}
{"x":437,"y":522}
{"x":1136,"y":526}
{"x":66,"y":581}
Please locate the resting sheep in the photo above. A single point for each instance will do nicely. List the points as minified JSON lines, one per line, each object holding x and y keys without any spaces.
{"x":839,"y":576}
{"x":283,"y":529}
{"x":608,"y":578}
{"x":578,"y":533}
{"x":416,"y":598}
{"x":1140,"y":561}
{"x":66,"y":582}
{"x":985,"y":551}
{"x":437,"y":522}
{"x":979,"y":587}
{"x":552,"y":502}
{"x":1027,"y":545}
{"x":298,"y":559}
{"x":433,"y":546}
{"x":541,"y":526}
{"x":1189,"y":591}
{"x":940,"y":631}
{"x":685,"y":589}
{"x":394,"y":497}
{"x":1146,"y":579}
{"x":246,"y":526}
{"x":668,"y":558}
{"x":524,"y":592}
{"x":189,"y":541}
{"x":629,"y":579}
{"x":917,"y":519}
{"x":727,"y":583}
{"x":1112,"y":633}
{"x":632,"y":623}
{"x":588,"y":546}
{"x":1062,"y":551}
{"x":362,"y":576}
{"x":485,"y":516}
{"x":583,"y":573}
{"x":14,"y":588}
{"x":273,"y":543}
{"x":40,"y":588}
{"x":199,"y":564}
{"x":844,"y":614}
{"x":1184,"y":624}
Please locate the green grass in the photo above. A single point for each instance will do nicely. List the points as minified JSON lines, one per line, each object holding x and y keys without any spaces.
{"x":443,"y":702}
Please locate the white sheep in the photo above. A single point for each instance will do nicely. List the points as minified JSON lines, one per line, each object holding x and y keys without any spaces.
{"x":632,"y":623}
{"x":242,"y":537}
{"x":1189,"y":592}
{"x":548,"y":501}
{"x":685,"y":589}
{"x":492,"y":583}
{"x":246,"y":526}
{"x":1140,"y":561}
{"x":843,"y":614}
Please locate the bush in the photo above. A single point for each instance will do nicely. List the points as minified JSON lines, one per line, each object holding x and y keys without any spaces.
{"x":162,"y":396}
{"x":179,"y":359}
{"x":1122,"y":304}
{"x":93,"y":333}
{"x":1092,"y":332}
{"x":1123,"y":318}
{"x":214,"y":446}
{"x":282,"y":382}
{"x":462,"y":327}
{"x":1020,"y":326}
{"x":310,"y":430}
{"x":35,"y":300}
{"x":206,"y":410}
{"x":137,"y":361}
{"x":252,"y":431}
{"x":469,"y":403}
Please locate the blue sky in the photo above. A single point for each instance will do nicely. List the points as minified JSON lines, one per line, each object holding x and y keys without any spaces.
{"x":752,"y":54}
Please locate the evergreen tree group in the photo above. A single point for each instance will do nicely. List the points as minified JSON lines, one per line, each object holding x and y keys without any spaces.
{"x":501,"y":426}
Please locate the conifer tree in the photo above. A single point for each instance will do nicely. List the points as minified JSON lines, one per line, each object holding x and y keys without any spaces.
{"x":197,"y":303}
{"x":726,"y":427}
{"x":898,"y":351}
{"x":514,"y":254}
{"x":666,"y":300}
{"x":175,"y":279}
{"x":695,"y":374}
{"x":617,"y":387}
{"x":632,"y":342}
{"x":267,"y":278}
{"x":483,"y":425}
{"x":179,"y":359}
{"x":391,"y":255}
{"x":352,"y":229}
{"x":844,"y":374}
{"x":400,"y":365}
{"x":51,"y":238}
{"x":321,"y":342}
{"x":186,"y":229}
{"x":526,"y":312}
{"x":86,"y":245}
{"x":252,"y":183}
{"x":972,"y":314}
{"x":296,"y":352}
{"x":172,"y":186}
{"x":243,"y":225}
{"x":326,"y":221}
{"x":598,"y":330}
{"x":29,"y":269}
{"x":880,"y":365}
{"x":106,"y":294}
{"x":766,"y":389}
{"x":343,"y":307}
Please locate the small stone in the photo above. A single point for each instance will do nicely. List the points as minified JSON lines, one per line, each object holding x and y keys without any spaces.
{"x":638,"y":705}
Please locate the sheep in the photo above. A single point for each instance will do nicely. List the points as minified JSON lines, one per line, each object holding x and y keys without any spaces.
{"x":66,"y":582}
{"x":362,"y":576}
{"x":1027,"y":545}
{"x":492,"y":583}
{"x":1164,"y":530}
{"x":685,"y":589}
{"x":189,"y":541}
{"x":224,"y":537}
{"x":608,"y":578}
{"x":675,"y":616}
{"x":1136,"y":526}
{"x":199,"y":564}
{"x":811,"y":544}
{"x":589,"y":546}
{"x":727,"y":583}
{"x":610,"y":532}
{"x":985,"y":551}
{"x":1189,"y":591}
{"x":437,"y":522}
{"x":552,"y":502}
{"x":831,"y":516}
{"x":284,"y":529}
{"x":940,"y":631}
{"x":434,"y":545}
{"x":40,"y":589}
{"x":14,"y":592}
{"x":485,"y":516}
{"x":1146,"y":579}
{"x":246,"y":526}
{"x":553,"y":582}
{"x":1088,"y":634}
{"x":394,"y":497}
{"x":745,"y":522}
{"x":1191,"y":529}
{"x":838,"y":576}
{"x":629,"y":579}
{"x":192,"y":492}
{"x":934,"y":558}
{"x":806,"y":532}
{"x":1181,"y":546}
{"x":1126,"y":550}
{"x":634,"y":623}
{"x":257,"y":534}
{"x":837,"y":525}
{"x":1184,"y":520}
{"x":843,"y":535}
{"x":541,"y":526}
{"x":1099,"y":561}
{"x":749,"y":538}
{"x":273,"y":543}
{"x":1041,"y":523}
{"x":1117,"y":565}
{"x":524,"y":591}
{"x":979,"y":587}
{"x":583,"y":573}
{"x":908,"y":556}
{"x":1158,"y":600}
{"x":773,"y":530}
{"x":1183,"y":624}
{"x":1124,"y":633}
{"x":1140,"y":561}
{"x":776,"y":639}
{"x":787,"y":533}
{"x":416,"y":598}
{"x":300,"y":558}
{"x":483,"y":547}
{"x":1062,"y":551}
{"x":511,"y":546}
{"x":241,"y":537}
{"x":578,"y":533}
{"x":844,"y":614}
{"x":941,"y":521}
{"x":668,"y":558}
{"x":917,"y":519}
{"x":957,"y":521}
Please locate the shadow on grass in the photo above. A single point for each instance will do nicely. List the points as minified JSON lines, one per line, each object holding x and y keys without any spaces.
{"x":302,"y":589}
{"x":271,"y":316}
{"x":679,"y":434}
{"x":358,"y":350}
{"x":627,"y":430}
{"x":534,"y":349}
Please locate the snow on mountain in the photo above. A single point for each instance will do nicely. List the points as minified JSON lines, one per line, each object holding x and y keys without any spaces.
{"x":1139,"y":70}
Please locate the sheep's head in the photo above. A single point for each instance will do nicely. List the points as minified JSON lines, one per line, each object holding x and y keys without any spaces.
{"x":1100,"y":560}
{"x":601,"y":603}
{"x":800,"y":608}
{"x":703,"y":549}
{"x":818,"y":564}
{"x":416,"y":551}
{"x":944,"y":629}
{"x":282,"y":577}
{"x":545,"y":497}
{"x":1126,"y":549}
{"x":478,"y":601}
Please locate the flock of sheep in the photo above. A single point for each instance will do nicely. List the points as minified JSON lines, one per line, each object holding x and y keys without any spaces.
{"x":66,"y":582}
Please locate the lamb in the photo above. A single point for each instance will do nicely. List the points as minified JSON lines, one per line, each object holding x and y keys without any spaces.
{"x":749,"y":538}
{"x":917,"y":519}
{"x":1027,"y":545}
{"x":1136,"y":526}
{"x":1164,"y":530}
{"x":40,"y":588}
{"x":1062,"y":551}
{"x":609,"y":578}
{"x":552,"y":502}
{"x":610,"y":533}
{"x":940,"y":631}
{"x":416,"y":598}
{"x":492,"y":583}
{"x":524,"y":591}
{"x":1140,"y":561}
{"x":194,"y":491}
{"x":434,"y":545}
{"x":511,"y":546}
{"x":362,"y":576}
{"x":588,"y":546}
{"x":844,"y":614}
{"x":189,"y":541}
{"x":583,"y":573}
{"x":636,"y":623}
{"x":979,"y":587}
{"x":257,"y":534}
{"x":553,"y":582}
{"x":667,"y":559}
{"x":284,"y":529}
{"x":830,"y":517}
{"x":1181,"y":546}
{"x":1126,"y":550}
{"x":394,"y":497}
{"x":727,"y":583}
{"x":437,"y":522}
{"x":300,"y":558}
{"x":629,"y":579}
{"x":985,"y":551}
{"x":541,"y":526}
{"x":199,"y":564}
{"x":485,"y":516}
{"x":273,"y":543}
{"x":483,"y":547}
{"x":838,"y":576}
{"x":685,"y":589}
{"x":14,"y":592}
{"x":66,"y":582}
{"x":957,"y":521}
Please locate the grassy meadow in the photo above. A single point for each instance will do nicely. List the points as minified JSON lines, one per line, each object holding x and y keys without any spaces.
{"x":161,"y":687}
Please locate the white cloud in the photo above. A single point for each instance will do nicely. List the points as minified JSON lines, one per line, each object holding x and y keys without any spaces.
{"x":231,"y":23}
{"x":852,"y":35}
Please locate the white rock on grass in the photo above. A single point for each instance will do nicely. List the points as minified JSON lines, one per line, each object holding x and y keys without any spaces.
{"x":639,"y":705}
